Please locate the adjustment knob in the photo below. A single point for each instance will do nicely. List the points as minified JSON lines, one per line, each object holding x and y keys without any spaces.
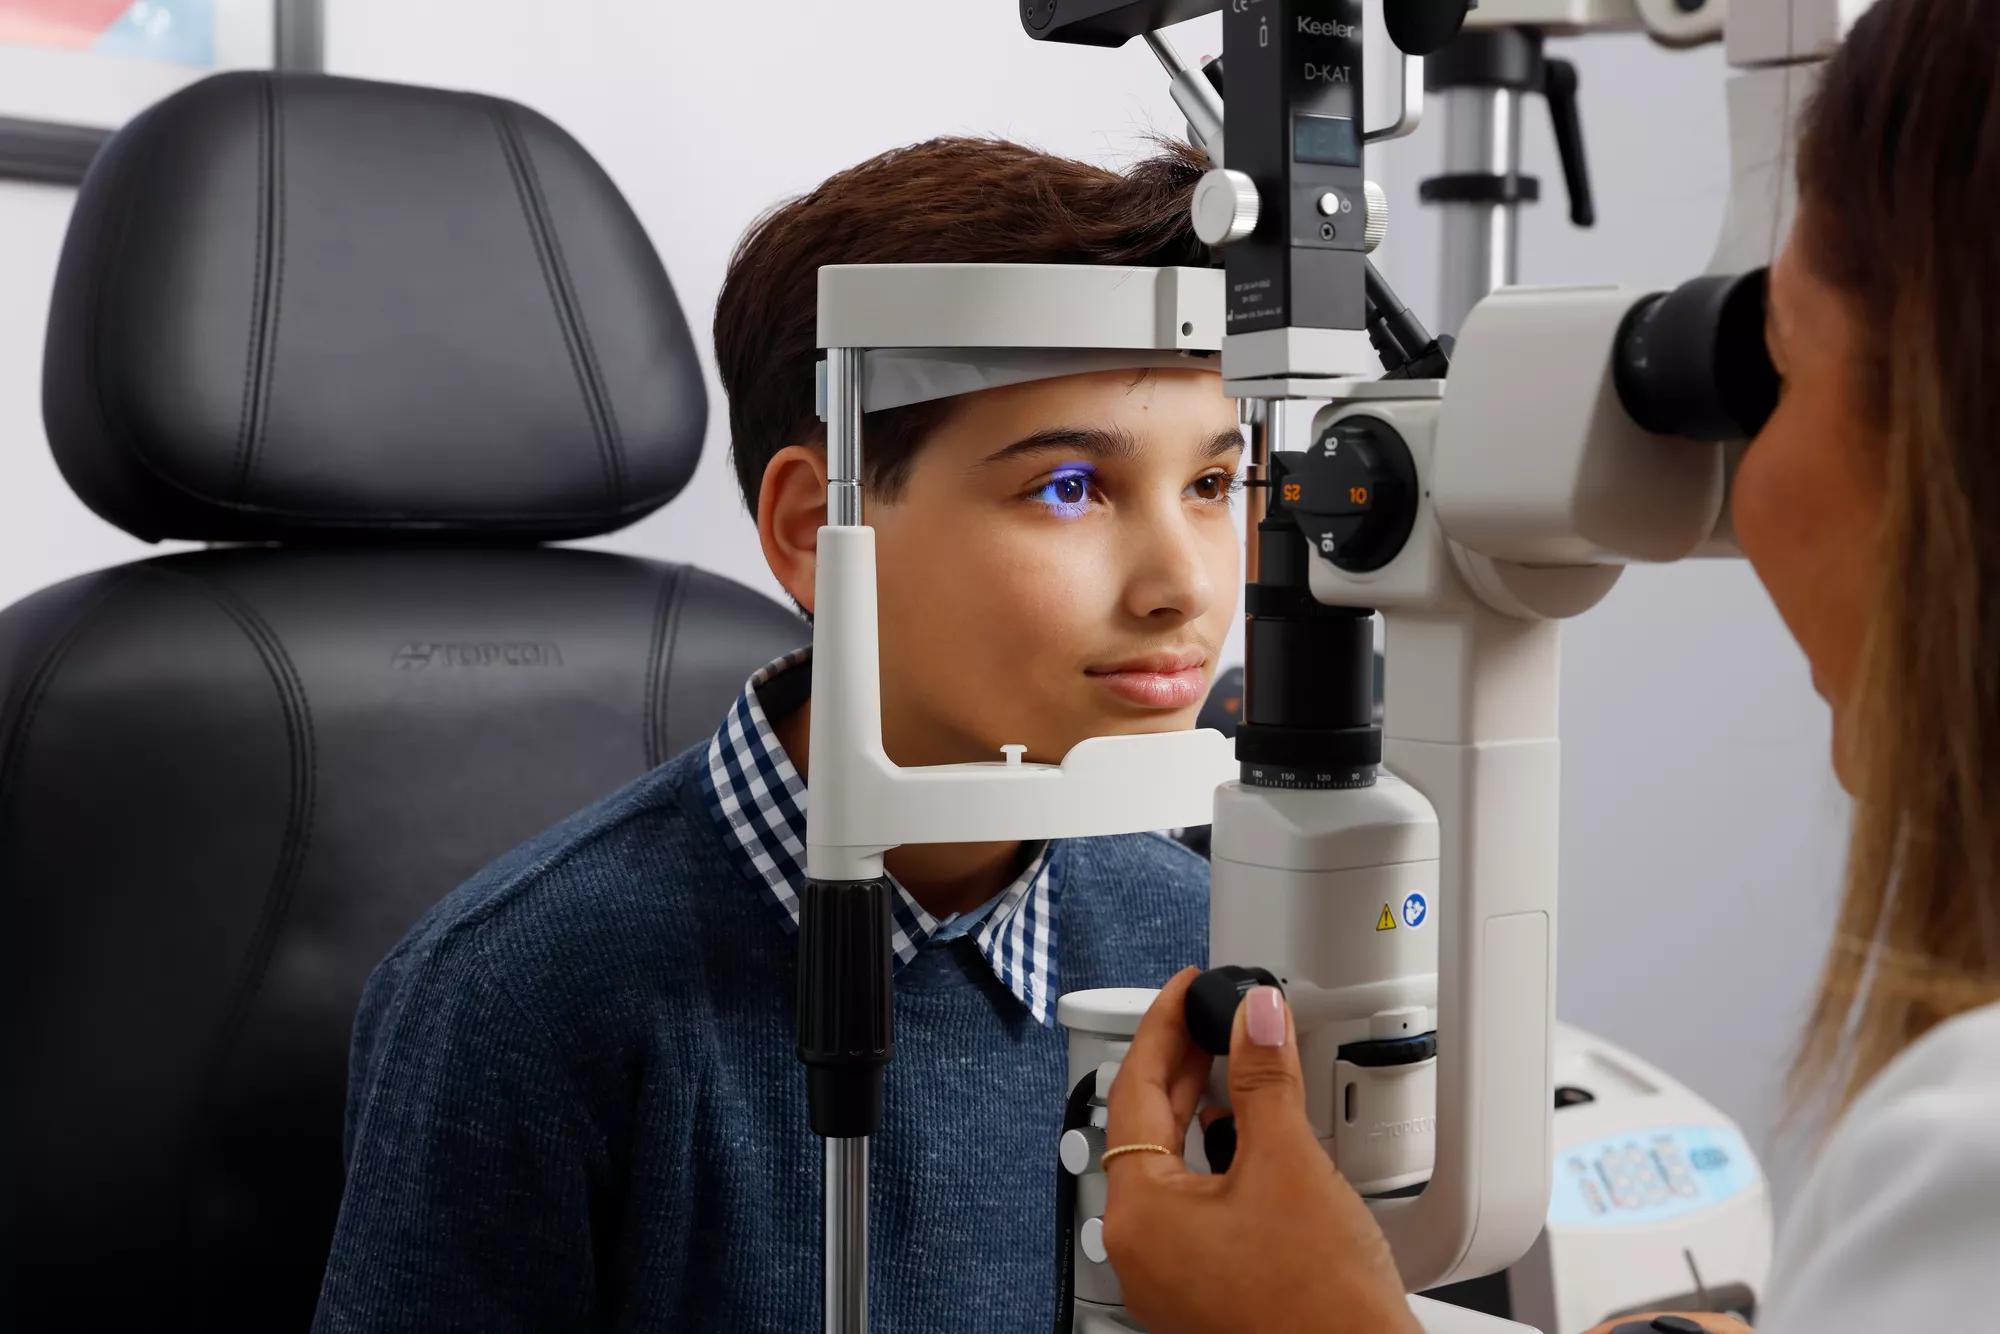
{"x":1091,"y":1237}
{"x":1353,"y":494}
{"x":1378,"y":217}
{"x":1081,"y":1150}
{"x":1225,"y":206}
{"x":1212,"y":1000}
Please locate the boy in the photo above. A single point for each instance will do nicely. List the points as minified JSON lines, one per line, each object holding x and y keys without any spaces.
{"x":574,"y":1100}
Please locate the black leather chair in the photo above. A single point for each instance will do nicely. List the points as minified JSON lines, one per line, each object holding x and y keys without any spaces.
{"x":380,"y":343}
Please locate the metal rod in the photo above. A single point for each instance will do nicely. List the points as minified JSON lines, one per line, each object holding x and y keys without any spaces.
{"x":1289,"y":421}
{"x":1255,"y":415}
{"x":1481,"y":241}
{"x":1195,"y":96}
{"x":843,"y":437}
{"x":1169,"y":57}
{"x":845,"y":1185}
{"x":846,"y":1239}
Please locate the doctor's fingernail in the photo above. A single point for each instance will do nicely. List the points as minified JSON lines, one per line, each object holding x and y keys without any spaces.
{"x":1267,"y":1016}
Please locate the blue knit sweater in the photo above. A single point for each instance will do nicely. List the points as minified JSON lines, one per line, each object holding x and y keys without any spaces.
{"x":574,"y":1102}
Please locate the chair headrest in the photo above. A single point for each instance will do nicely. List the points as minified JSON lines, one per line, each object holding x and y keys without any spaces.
{"x":299,"y":307}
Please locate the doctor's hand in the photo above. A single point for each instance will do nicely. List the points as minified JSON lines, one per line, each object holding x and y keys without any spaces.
{"x":1278,"y":1242}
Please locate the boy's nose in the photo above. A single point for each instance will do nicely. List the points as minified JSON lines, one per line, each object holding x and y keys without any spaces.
{"x":1166,"y":571}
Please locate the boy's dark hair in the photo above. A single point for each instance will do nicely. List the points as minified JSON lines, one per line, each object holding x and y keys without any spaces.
{"x":945,"y":201}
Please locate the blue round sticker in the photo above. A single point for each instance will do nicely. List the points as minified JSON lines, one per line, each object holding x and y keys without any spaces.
{"x":1415,"y":910}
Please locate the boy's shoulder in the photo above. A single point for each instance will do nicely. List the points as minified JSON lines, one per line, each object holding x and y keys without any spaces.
{"x":610,"y":880}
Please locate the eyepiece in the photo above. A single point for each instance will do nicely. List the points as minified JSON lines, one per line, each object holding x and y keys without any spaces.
{"x":1692,"y":362}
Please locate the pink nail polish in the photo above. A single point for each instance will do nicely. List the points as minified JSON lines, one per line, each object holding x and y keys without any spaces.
{"x":1267,"y":1016}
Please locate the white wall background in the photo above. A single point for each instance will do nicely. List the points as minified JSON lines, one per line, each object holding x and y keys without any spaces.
{"x":1702,"y":832}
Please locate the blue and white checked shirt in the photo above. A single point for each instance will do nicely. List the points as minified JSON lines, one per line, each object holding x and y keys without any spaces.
{"x":760,"y":801}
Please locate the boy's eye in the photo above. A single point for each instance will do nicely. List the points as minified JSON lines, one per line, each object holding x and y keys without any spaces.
{"x":1067,"y":492}
{"x":1215,"y":486}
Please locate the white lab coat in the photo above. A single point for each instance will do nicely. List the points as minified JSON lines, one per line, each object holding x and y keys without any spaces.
{"x":1897,"y":1230}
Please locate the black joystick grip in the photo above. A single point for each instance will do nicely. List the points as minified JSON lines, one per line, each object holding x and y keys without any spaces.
{"x":844,"y":1016}
{"x":1212,"y":1002}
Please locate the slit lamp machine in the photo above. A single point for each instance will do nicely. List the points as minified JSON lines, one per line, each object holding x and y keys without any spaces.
{"x":1474,"y":494}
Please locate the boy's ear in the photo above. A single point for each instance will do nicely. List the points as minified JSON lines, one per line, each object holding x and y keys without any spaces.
{"x":791,"y":509}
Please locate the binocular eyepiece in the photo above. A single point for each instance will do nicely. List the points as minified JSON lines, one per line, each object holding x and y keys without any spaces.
{"x":1692,"y":362}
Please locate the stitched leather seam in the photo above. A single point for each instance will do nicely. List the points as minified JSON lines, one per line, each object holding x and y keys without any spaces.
{"x":512,"y":151}
{"x":263,"y":297}
{"x":247,"y":407}
{"x":299,"y":817}
{"x":593,"y":371}
{"x":688,"y":574}
{"x":38,"y":686}
{"x":275,"y":305}
{"x":660,"y":653}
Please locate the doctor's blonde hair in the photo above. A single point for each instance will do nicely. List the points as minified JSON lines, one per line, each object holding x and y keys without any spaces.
{"x":1899,"y":175}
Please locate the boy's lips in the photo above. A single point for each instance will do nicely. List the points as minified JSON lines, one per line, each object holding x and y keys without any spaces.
{"x":1170,"y":679}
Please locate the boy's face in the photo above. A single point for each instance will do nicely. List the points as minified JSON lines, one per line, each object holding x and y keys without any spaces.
{"x":1060,"y":563}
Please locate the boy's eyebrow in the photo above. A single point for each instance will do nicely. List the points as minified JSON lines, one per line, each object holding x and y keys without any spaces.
{"x":1223,"y":442}
{"x":1094,"y":442}
{"x":1097,"y":442}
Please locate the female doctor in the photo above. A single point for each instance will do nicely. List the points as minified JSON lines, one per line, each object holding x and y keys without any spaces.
{"x":1870,"y":508}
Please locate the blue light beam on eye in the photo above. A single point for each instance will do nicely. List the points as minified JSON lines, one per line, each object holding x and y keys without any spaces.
{"x":1067,"y":492}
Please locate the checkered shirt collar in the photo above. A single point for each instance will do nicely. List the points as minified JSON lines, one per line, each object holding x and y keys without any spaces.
{"x":760,"y":801}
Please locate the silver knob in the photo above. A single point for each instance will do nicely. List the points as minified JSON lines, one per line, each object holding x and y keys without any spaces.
{"x":1225,"y":207}
{"x":1378,"y":217}
{"x":1091,"y":1237}
{"x":1080,"y":1149}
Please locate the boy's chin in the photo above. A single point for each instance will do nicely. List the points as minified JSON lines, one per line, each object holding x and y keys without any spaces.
{"x":1134,"y":724}
{"x":1056,"y":743}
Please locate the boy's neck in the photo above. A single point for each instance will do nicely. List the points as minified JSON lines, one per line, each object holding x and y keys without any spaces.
{"x":945,"y":878}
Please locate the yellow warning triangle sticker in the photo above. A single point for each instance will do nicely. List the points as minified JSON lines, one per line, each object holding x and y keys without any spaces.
{"x":1387,"y":921}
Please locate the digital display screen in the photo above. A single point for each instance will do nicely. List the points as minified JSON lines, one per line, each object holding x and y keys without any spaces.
{"x":1330,"y":140}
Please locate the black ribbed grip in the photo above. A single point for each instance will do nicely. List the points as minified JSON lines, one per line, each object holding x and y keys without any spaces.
{"x":845,"y":1017}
